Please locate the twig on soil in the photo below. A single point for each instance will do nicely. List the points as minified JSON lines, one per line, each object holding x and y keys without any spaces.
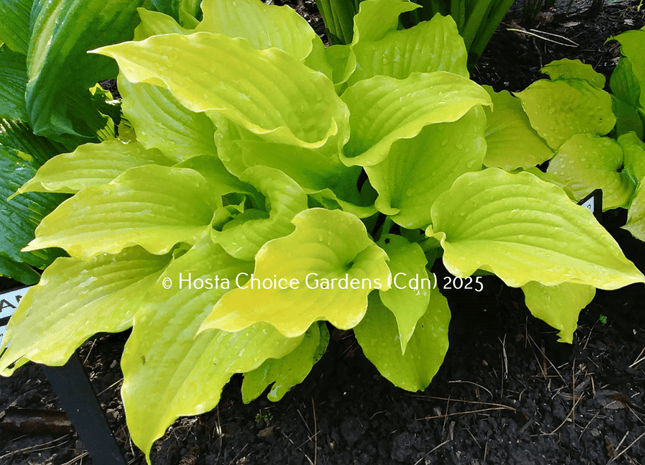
{"x":241,"y":450}
{"x":547,"y":359}
{"x":622,"y":440}
{"x":89,"y":352}
{"x":80,"y":457}
{"x":313,"y":407}
{"x":625,"y":449}
{"x":110,"y":387}
{"x":470,"y":382}
{"x":303,"y":420}
{"x":639,"y":359}
{"x":573,"y":393}
{"x":30,"y":449}
{"x":437,"y":447}
{"x":218,"y":430}
{"x":568,"y":415}
{"x":492,"y":409}
{"x":534,"y":33}
{"x":587,"y":426}
{"x":476,"y":402}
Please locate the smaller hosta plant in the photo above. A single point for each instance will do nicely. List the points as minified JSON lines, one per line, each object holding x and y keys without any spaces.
{"x":273,"y":188}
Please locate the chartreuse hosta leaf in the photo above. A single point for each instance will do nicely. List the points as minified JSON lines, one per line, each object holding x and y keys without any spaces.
{"x":76,"y":299}
{"x":288,"y":371}
{"x":433,"y":45}
{"x":524,"y":229}
{"x":91,"y":165}
{"x":152,"y":206}
{"x":384,"y":109}
{"x":632,"y":44}
{"x":511,"y":142}
{"x":376,"y":18}
{"x":166,"y":363}
{"x":634,"y":155}
{"x":258,"y":23}
{"x":323,"y":271}
{"x":163,"y":123}
{"x":13,"y":83}
{"x":154,"y":23}
{"x":378,"y":336}
{"x":586,"y":162}
{"x":559,"y":305}
{"x":267,"y":91}
{"x":23,"y":213}
{"x":565,"y":107}
{"x":417,"y":170}
{"x":407,"y":266}
{"x":14,"y":24}
{"x":185,"y":11}
{"x":245,"y":235}
{"x":574,"y":69}
{"x":58,"y":64}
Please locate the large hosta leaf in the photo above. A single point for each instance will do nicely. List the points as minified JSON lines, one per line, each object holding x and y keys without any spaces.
{"x":384,"y":110}
{"x":433,"y":45}
{"x":264,"y":26}
{"x":632,"y":44}
{"x":165,"y":363}
{"x":307,"y":266}
{"x":636,"y":214}
{"x":524,"y":229}
{"x":152,"y":206}
{"x":20,"y":272}
{"x":245,"y":235}
{"x":624,"y":84}
{"x":19,"y":136}
{"x":288,"y":371}
{"x":163,"y":123}
{"x":91,"y":165}
{"x":13,"y":84}
{"x":560,"y":109}
{"x":586,"y":162}
{"x":76,"y":299}
{"x":20,"y":215}
{"x":58,"y":64}
{"x":266,"y":91}
{"x":379,"y":337}
{"x":407,"y":264}
{"x":559,"y":306}
{"x":14,"y":24}
{"x":511,"y":141}
{"x":377,"y":18}
{"x":574,"y":69}
{"x":417,"y":170}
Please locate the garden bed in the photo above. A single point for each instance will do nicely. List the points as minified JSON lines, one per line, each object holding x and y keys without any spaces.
{"x":507,"y":392}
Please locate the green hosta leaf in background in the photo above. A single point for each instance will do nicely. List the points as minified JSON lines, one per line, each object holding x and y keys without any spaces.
{"x":634,"y":155}
{"x":288,"y":371}
{"x":18,"y":136}
{"x":560,"y":109}
{"x":326,"y":245}
{"x":524,"y":229}
{"x":165,"y":363}
{"x":627,"y":118}
{"x":511,"y":142}
{"x":624,"y":84}
{"x":407,"y":263}
{"x":161,"y":122}
{"x":574,"y":69}
{"x":378,"y":336}
{"x":13,"y":84}
{"x":636,"y":214}
{"x":186,"y":12}
{"x":59,"y":67}
{"x":418,"y":170}
{"x":433,"y":45}
{"x":264,"y":26}
{"x":19,"y":271}
{"x":266,"y":91}
{"x":559,"y":306}
{"x":14,"y":24}
{"x":586,"y":162}
{"x":632,"y":44}
{"x":91,"y":165}
{"x":384,"y":109}
{"x":245,"y":235}
{"x":63,"y":310}
{"x":26,"y":211}
{"x":152,"y":206}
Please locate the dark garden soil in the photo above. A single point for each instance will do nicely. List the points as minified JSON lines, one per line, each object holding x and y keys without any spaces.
{"x":507,"y":393}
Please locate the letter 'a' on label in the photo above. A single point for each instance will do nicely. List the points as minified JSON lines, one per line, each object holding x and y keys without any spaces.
{"x":8,"y":304}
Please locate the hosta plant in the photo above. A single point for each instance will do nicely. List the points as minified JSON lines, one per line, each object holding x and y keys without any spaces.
{"x":273,"y":188}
